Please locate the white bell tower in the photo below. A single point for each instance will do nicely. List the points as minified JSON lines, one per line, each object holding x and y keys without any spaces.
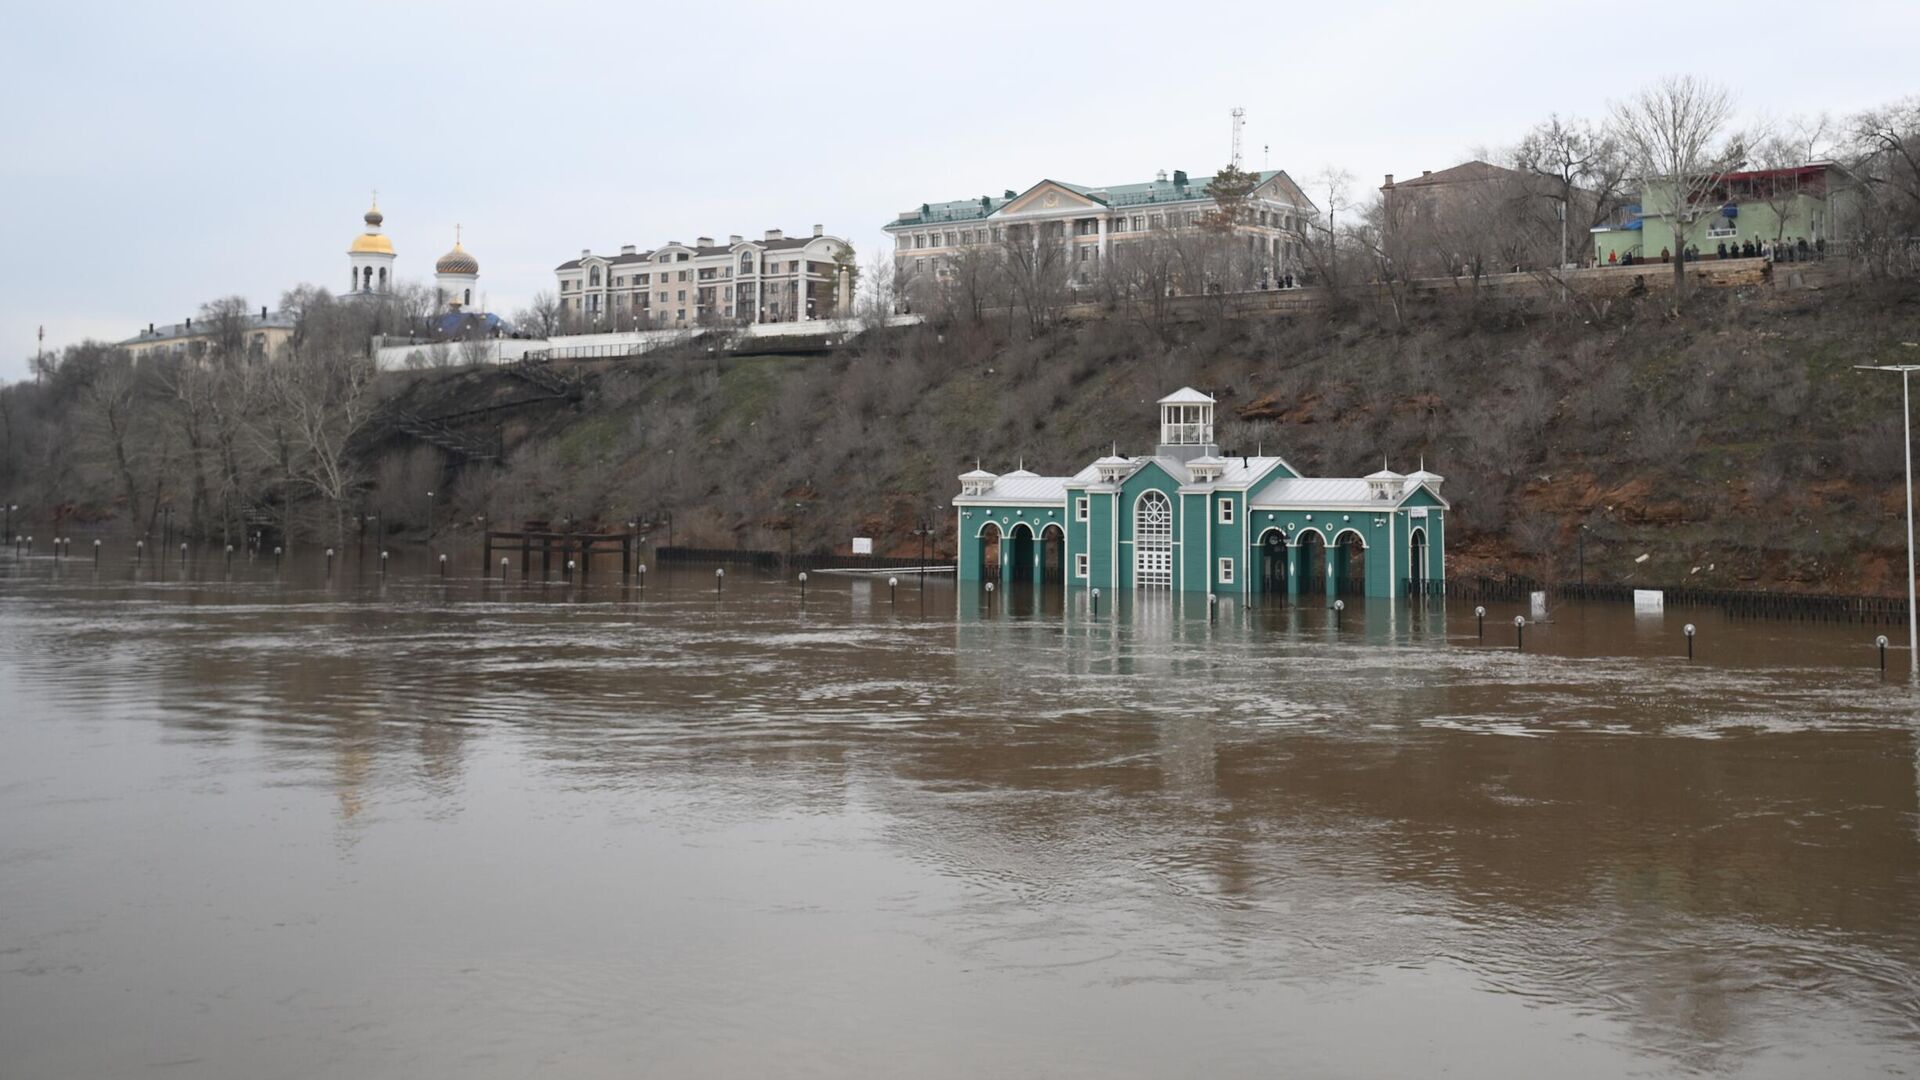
{"x":371,"y":255}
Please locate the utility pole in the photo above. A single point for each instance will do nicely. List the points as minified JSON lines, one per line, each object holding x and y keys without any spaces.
{"x":1906,"y":426}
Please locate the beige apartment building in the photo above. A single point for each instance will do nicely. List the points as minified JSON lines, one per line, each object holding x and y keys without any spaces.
{"x":259,"y":335}
{"x":1096,"y":222}
{"x":776,"y":278}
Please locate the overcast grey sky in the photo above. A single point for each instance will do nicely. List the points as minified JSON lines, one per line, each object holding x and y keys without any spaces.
{"x":160,"y":155}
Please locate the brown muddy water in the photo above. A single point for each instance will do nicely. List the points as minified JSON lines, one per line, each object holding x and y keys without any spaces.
{"x":257,"y":826}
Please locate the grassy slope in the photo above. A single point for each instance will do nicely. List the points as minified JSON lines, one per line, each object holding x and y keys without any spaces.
{"x":1736,"y":440}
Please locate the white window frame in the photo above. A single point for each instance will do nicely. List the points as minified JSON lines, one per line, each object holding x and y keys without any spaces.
{"x":1082,"y":508}
{"x":1080,"y":565}
{"x":1226,"y":571}
{"x":1226,"y":511}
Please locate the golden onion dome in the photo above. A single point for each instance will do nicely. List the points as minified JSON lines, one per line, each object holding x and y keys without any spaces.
{"x":370,"y":244}
{"x":457,"y":261}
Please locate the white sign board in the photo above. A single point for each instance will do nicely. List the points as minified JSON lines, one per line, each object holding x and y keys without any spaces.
{"x":863,"y":545}
{"x":1417,"y":512}
{"x":1539,"y":605}
{"x":1649,"y":600}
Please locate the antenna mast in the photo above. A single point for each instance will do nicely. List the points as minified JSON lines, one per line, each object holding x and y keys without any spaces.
{"x":1239,"y":121}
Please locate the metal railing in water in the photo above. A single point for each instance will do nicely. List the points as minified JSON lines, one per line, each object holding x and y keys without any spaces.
{"x":1760,"y":603}
{"x":772,"y":560}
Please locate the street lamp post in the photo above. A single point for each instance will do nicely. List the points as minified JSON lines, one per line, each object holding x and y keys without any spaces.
{"x":429,"y":519}
{"x":1906,"y":426}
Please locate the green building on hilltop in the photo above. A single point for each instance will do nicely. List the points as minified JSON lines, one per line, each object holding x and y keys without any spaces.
{"x":1186,"y":518}
{"x":1811,"y":203}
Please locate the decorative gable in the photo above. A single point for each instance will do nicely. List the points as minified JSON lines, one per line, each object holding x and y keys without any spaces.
{"x":1047,"y":197}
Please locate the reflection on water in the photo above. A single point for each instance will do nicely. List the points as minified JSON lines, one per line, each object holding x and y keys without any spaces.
{"x":267,"y":824}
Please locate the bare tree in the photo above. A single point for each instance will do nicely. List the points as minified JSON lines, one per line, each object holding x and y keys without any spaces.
{"x":110,"y":397}
{"x":476,"y":350}
{"x":1141,"y":272}
{"x":879,"y":295}
{"x":975,"y":282}
{"x":1036,"y":271}
{"x":1580,"y":170}
{"x":325,"y":398}
{"x":1674,"y":134}
{"x":541,"y":315}
{"x":1327,"y":251}
{"x":1386,"y":236}
{"x":1884,"y":160}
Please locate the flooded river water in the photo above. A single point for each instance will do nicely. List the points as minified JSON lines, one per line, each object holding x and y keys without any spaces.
{"x":259,"y":825}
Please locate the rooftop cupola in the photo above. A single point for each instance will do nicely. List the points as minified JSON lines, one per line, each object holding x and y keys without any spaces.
{"x":977,"y":482}
{"x":1206,"y":469}
{"x":1385,"y":485}
{"x":1422,"y":476}
{"x":1113,"y":468}
{"x":1186,"y":425}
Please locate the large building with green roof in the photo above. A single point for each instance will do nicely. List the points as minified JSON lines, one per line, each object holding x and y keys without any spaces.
{"x":1188,"y":518}
{"x":1090,"y":223}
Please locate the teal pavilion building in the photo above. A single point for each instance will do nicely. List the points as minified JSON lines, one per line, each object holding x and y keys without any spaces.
{"x":1188,"y":519}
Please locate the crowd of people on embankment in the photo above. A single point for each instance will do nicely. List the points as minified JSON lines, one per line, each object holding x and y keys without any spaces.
{"x":1787,"y":249}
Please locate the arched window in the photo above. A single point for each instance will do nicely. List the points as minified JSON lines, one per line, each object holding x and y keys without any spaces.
{"x":383,"y":279}
{"x":367,"y":278}
{"x":1152,"y":541}
{"x":746,"y":262}
{"x":593,"y":277}
{"x":466,"y":298}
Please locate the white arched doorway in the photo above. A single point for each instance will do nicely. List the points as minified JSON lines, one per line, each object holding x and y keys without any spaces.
{"x":1152,"y":541}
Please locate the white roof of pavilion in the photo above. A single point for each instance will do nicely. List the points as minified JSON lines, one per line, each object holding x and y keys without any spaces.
{"x":1327,"y":493}
{"x":1029,"y":489}
{"x":1186,"y":395}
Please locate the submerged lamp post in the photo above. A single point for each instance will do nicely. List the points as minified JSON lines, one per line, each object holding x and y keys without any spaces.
{"x":1906,"y":425}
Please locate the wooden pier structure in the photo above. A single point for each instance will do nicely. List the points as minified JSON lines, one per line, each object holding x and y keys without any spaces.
{"x":571,"y":544}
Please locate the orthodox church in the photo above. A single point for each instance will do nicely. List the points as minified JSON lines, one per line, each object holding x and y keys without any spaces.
{"x":456,"y":276}
{"x":1186,"y":518}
